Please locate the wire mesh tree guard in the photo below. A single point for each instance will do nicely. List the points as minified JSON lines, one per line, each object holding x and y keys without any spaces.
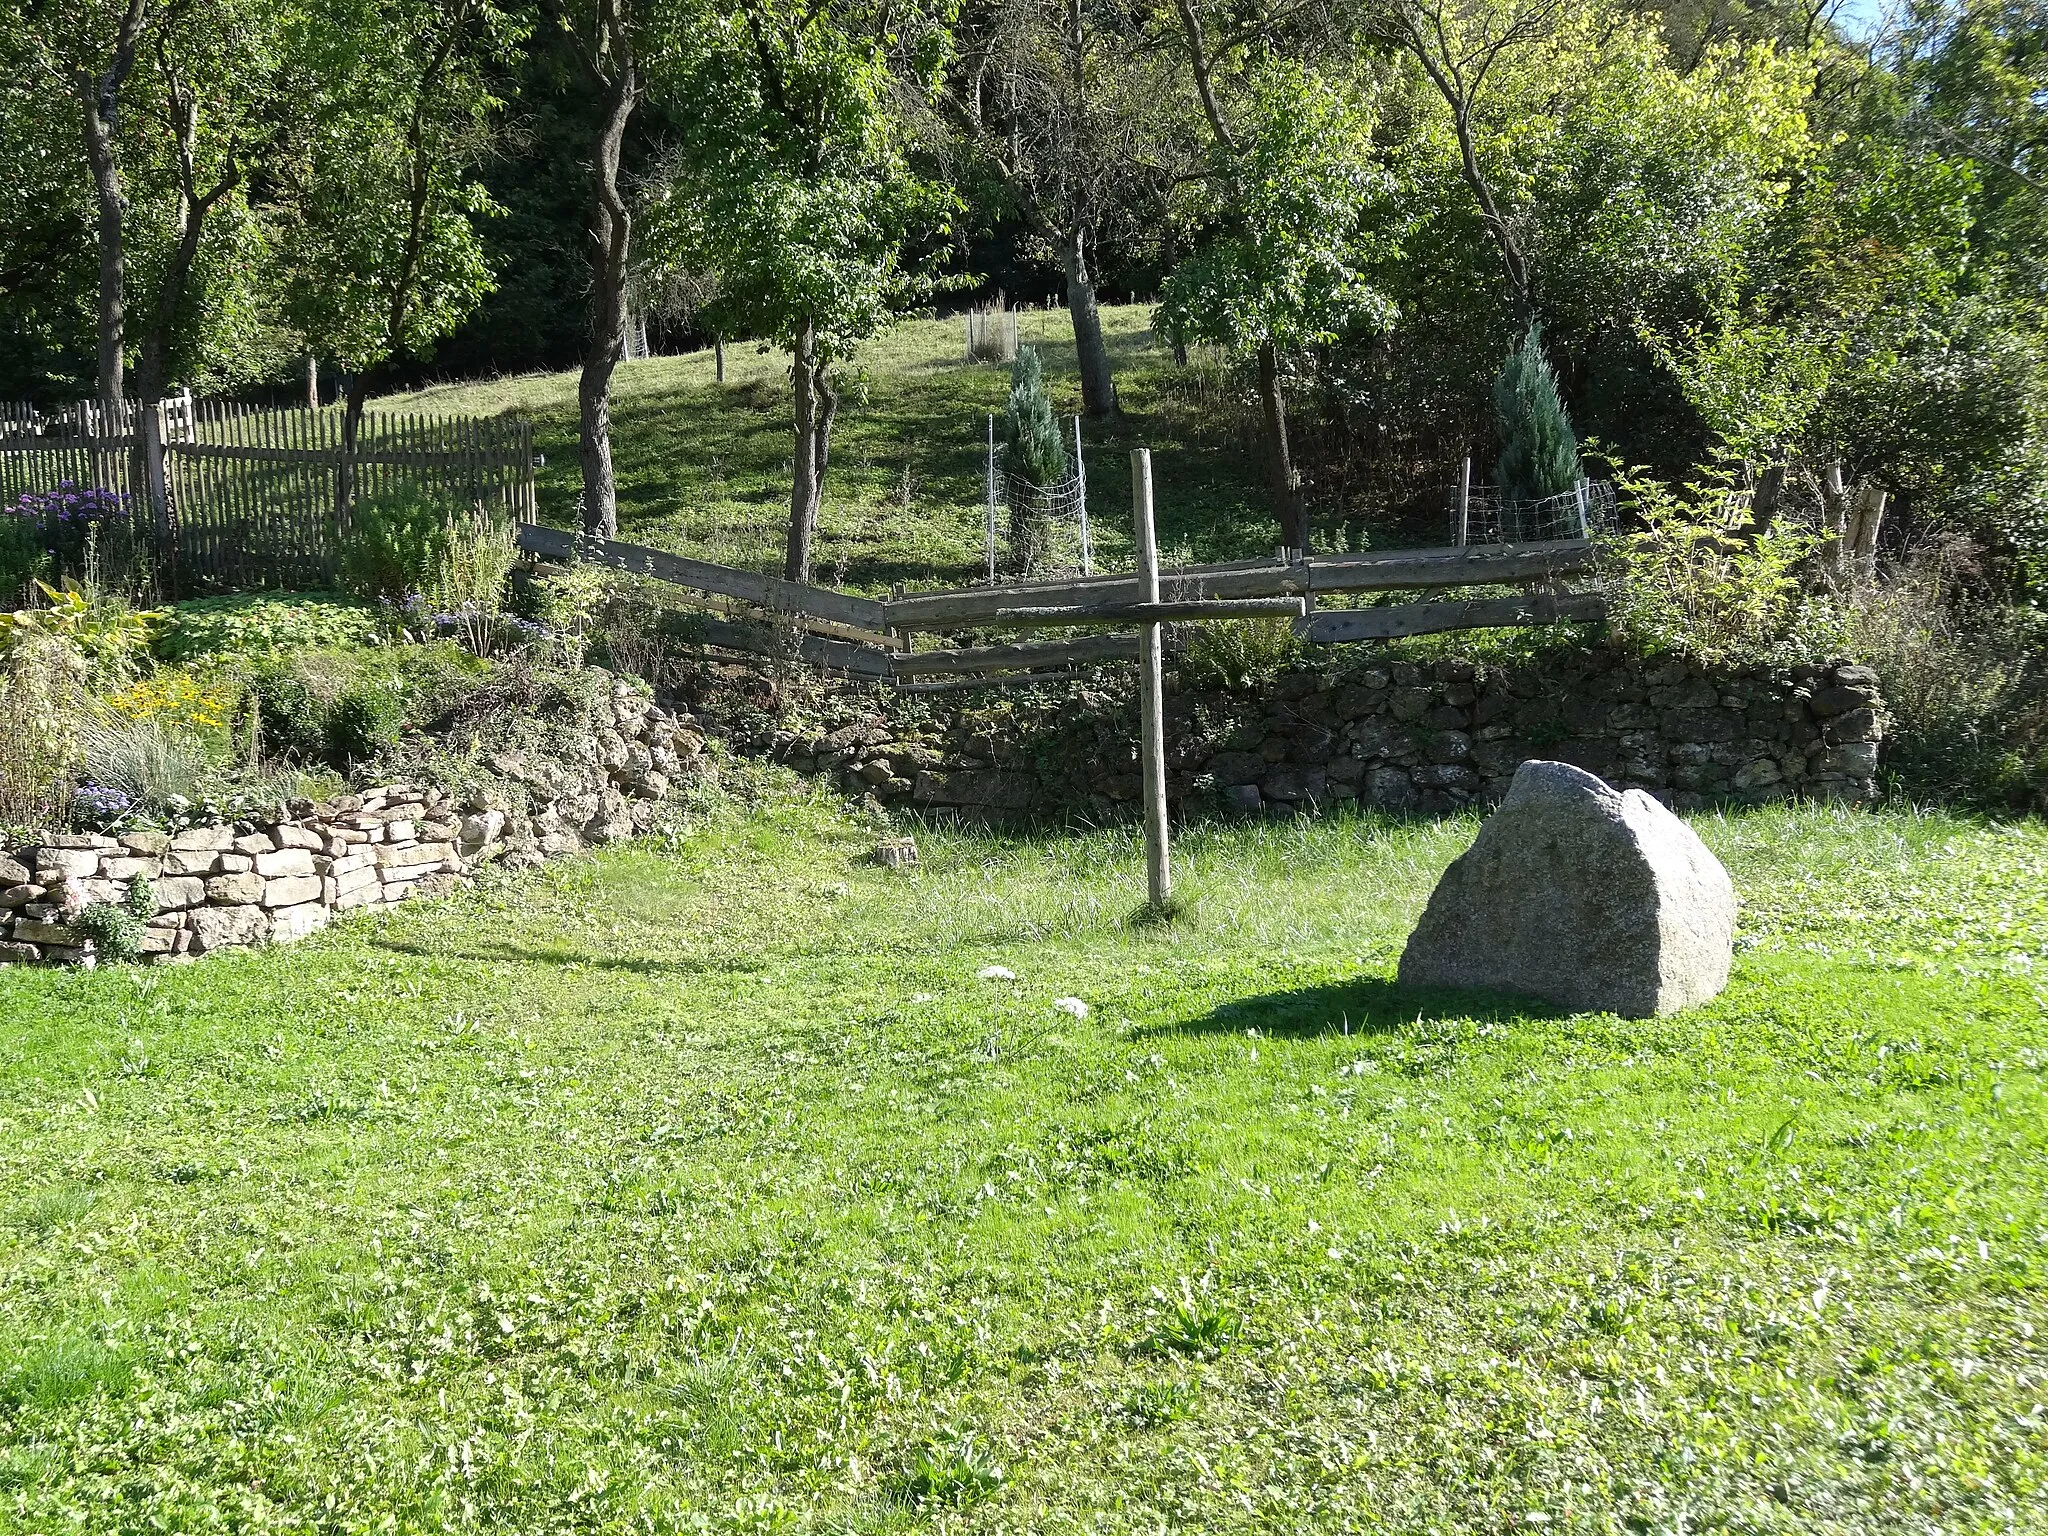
{"x":1480,"y":514}
{"x":1037,"y":530}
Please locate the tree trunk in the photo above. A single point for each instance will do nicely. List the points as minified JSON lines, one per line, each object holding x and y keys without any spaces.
{"x":1834,"y":500}
{"x":1281,"y":486}
{"x":1098,"y":380}
{"x":613,"y":234}
{"x":101,"y":98}
{"x":1511,"y":256}
{"x":718,"y":356}
{"x":807,"y":463}
{"x":312,"y":382}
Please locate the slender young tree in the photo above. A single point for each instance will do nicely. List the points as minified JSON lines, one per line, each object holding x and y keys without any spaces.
{"x":1292,"y":196}
{"x":1075,"y":112}
{"x":382,"y":241}
{"x":792,"y":187}
{"x":88,"y":49}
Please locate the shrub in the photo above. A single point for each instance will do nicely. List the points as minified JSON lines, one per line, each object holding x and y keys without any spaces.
{"x":150,"y":763}
{"x":1695,"y":579}
{"x":1539,"y":454}
{"x":41,"y":685}
{"x":1236,"y":655}
{"x":77,"y":528}
{"x":111,"y":635}
{"x":22,"y":559}
{"x":258,"y":623}
{"x":365,"y":720}
{"x":1032,"y":450}
{"x":1965,"y":680}
{"x":466,"y":600}
{"x":394,"y":545}
{"x":115,"y":931}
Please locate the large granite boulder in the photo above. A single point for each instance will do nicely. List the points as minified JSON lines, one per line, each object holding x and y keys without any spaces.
{"x":1583,"y":895}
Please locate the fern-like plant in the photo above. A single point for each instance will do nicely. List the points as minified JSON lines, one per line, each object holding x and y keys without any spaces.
{"x":1539,"y":455}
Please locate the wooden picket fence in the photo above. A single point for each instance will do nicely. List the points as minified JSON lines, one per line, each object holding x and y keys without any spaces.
{"x":237,"y":496}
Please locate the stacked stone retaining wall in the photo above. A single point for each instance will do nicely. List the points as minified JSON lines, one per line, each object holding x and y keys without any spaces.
{"x":276,"y":879}
{"x":1403,"y":735}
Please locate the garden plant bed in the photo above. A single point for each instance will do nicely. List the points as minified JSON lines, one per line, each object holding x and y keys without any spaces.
{"x":706,"y":1182}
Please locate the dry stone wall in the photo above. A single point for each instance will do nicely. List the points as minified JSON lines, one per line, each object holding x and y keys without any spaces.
{"x":281,"y":878}
{"x":1403,"y":735}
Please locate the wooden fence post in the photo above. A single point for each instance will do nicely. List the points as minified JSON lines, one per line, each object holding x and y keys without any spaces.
{"x":989,"y":535}
{"x":1465,"y":503}
{"x":1151,"y":690}
{"x":1081,"y":490}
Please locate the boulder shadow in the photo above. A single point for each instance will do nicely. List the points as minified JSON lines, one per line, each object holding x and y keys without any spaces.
{"x":1365,"y":1005}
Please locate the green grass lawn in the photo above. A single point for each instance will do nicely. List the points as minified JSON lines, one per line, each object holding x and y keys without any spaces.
{"x":707,"y":1186}
{"x":704,"y":469}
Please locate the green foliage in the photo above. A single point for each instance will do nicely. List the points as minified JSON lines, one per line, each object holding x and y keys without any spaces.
{"x":1033,"y":451}
{"x":1238,"y":655}
{"x":1695,"y":578}
{"x":109,"y":634}
{"x":41,"y":693}
{"x":383,"y":255}
{"x":1305,"y":214}
{"x":157,"y":764}
{"x":956,"y":1471}
{"x":1539,"y":456}
{"x":22,"y":559}
{"x":395,"y":545}
{"x":255,"y":623}
{"x":339,"y":710}
{"x":114,"y":932}
{"x":792,"y":183}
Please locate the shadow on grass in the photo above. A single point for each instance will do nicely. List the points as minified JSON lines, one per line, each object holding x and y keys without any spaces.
{"x":1365,"y":1005}
{"x":534,"y":954}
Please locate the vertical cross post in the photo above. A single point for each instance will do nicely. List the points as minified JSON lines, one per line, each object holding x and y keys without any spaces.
{"x":1081,"y":490}
{"x":1465,"y":503}
{"x":1151,"y":690}
{"x":989,"y":534}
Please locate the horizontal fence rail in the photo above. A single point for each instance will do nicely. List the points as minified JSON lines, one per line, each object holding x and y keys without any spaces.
{"x":1249,"y":588}
{"x":238,"y":496}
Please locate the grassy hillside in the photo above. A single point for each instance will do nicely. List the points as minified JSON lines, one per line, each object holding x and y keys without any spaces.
{"x":712,"y":1187}
{"x":705,"y":469}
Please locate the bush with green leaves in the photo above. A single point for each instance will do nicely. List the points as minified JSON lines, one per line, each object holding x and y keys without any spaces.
{"x":1539,"y":454}
{"x":1696,"y":579}
{"x":258,"y":623}
{"x":115,"y":929}
{"x":1237,"y":655}
{"x":22,"y":559}
{"x":394,"y":545}
{"x":340,"y":709}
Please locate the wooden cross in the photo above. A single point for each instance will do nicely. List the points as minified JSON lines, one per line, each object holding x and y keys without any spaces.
{"x":1150,"y":614}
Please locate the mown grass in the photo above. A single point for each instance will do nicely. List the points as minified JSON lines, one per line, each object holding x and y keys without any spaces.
{"x":709,"y":1186}
{"x":704,"y":469}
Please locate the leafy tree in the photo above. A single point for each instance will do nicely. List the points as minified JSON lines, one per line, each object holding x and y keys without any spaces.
{"x":1080,"y":122}
{"x":381,"y":234}
{"x":1299,"y":210}
{"x":1539,"y":455}
{"x":793,"y":189}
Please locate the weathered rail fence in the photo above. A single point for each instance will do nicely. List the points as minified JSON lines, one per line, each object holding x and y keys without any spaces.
{"x":871,"y":637}
{"x":235,"y":496}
